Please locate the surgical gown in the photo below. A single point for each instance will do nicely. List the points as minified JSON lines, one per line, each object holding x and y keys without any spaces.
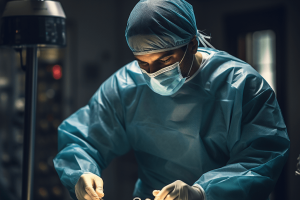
{"x":222,"y":130}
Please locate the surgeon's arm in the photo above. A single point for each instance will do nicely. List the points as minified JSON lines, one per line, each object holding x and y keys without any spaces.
{"x":90,"y":138}
{"x":258,"y":146}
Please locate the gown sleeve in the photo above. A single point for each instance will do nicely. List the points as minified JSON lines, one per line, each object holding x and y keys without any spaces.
{"x":90,"y":138}
{"x":257,"y":143}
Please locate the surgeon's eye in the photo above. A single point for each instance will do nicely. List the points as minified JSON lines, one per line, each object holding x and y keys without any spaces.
{"x":144,"y":64}
{"x":165,"y":60}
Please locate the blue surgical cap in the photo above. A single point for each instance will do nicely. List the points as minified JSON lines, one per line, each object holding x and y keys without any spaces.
{"x":161,"y":25}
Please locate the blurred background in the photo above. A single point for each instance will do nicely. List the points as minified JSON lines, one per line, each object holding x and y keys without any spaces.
{"x":265,"y":33}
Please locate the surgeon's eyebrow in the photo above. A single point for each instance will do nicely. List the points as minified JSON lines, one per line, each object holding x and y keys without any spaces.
{"x":167,"y":53}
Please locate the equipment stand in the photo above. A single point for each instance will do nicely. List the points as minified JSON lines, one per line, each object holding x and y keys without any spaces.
{"x":29,"y":122}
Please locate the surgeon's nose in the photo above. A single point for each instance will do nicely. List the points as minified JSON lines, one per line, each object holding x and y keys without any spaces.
{"x":154,"y":68}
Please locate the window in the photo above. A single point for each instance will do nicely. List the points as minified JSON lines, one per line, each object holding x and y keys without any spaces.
{"x":261,"y":54}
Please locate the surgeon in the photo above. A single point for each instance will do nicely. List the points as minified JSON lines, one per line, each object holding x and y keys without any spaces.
{"x":203,"y":124}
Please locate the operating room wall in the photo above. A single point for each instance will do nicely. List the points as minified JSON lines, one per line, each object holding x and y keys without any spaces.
{"x":93,"y":31}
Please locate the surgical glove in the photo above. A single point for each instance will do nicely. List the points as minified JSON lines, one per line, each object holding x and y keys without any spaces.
{"x":180,"y":191}
{"x":298,"y":166}
{"x":89,"y":187}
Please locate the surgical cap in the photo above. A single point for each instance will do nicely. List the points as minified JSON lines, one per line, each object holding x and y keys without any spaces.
{"x":161,"y":25}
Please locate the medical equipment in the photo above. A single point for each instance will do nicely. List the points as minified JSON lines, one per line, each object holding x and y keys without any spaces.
{"x":31,"y":24}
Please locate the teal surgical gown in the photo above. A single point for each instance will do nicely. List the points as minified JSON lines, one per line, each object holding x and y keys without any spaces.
{"x":222,"y":130}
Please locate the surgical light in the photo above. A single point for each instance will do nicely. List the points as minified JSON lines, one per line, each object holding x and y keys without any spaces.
{"x":33,"y":23}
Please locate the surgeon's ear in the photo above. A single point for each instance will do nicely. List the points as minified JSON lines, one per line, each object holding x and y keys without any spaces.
{"x":193,"y":46}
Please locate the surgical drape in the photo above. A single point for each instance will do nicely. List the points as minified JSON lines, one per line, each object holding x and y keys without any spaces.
{"x":222,"y":130}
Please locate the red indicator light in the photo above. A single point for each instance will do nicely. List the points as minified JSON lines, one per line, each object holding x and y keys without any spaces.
{"x":56,"y":72}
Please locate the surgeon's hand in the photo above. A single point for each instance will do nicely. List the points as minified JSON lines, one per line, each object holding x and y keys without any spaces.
{"x":89,"y":187}
{"x":180,"y":191}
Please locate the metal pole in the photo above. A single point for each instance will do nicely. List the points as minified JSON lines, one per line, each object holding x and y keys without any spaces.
{"x":30,"y":117}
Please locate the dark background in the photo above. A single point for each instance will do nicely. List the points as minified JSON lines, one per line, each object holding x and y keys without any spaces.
{"x":96,"y":49}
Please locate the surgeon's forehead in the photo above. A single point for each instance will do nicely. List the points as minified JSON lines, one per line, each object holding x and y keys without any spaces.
{"x":153,"y":56}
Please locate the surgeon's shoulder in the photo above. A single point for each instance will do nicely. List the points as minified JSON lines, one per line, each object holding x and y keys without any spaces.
{"x":223,"y":68}
{"x":127,"y":78}
{"x":129,"y":75}
{"x":123,"y":84}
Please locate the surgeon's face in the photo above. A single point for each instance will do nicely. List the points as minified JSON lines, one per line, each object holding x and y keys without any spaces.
{"x":156,"y":61}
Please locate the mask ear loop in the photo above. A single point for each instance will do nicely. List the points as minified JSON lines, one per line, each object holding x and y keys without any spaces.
{"x":192,"y":61}
{"x":190,"y":68}
{"x":202,"y":39}
{"x":184,"y":53}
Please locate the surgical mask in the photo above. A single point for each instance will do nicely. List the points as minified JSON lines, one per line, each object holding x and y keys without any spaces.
{"x":167,"y":80}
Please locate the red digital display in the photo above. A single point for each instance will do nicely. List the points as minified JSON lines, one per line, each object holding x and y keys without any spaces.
{"x":56,"y":72}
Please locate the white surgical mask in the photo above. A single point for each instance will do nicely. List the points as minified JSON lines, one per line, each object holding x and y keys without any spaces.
{"x":167,"y":80}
